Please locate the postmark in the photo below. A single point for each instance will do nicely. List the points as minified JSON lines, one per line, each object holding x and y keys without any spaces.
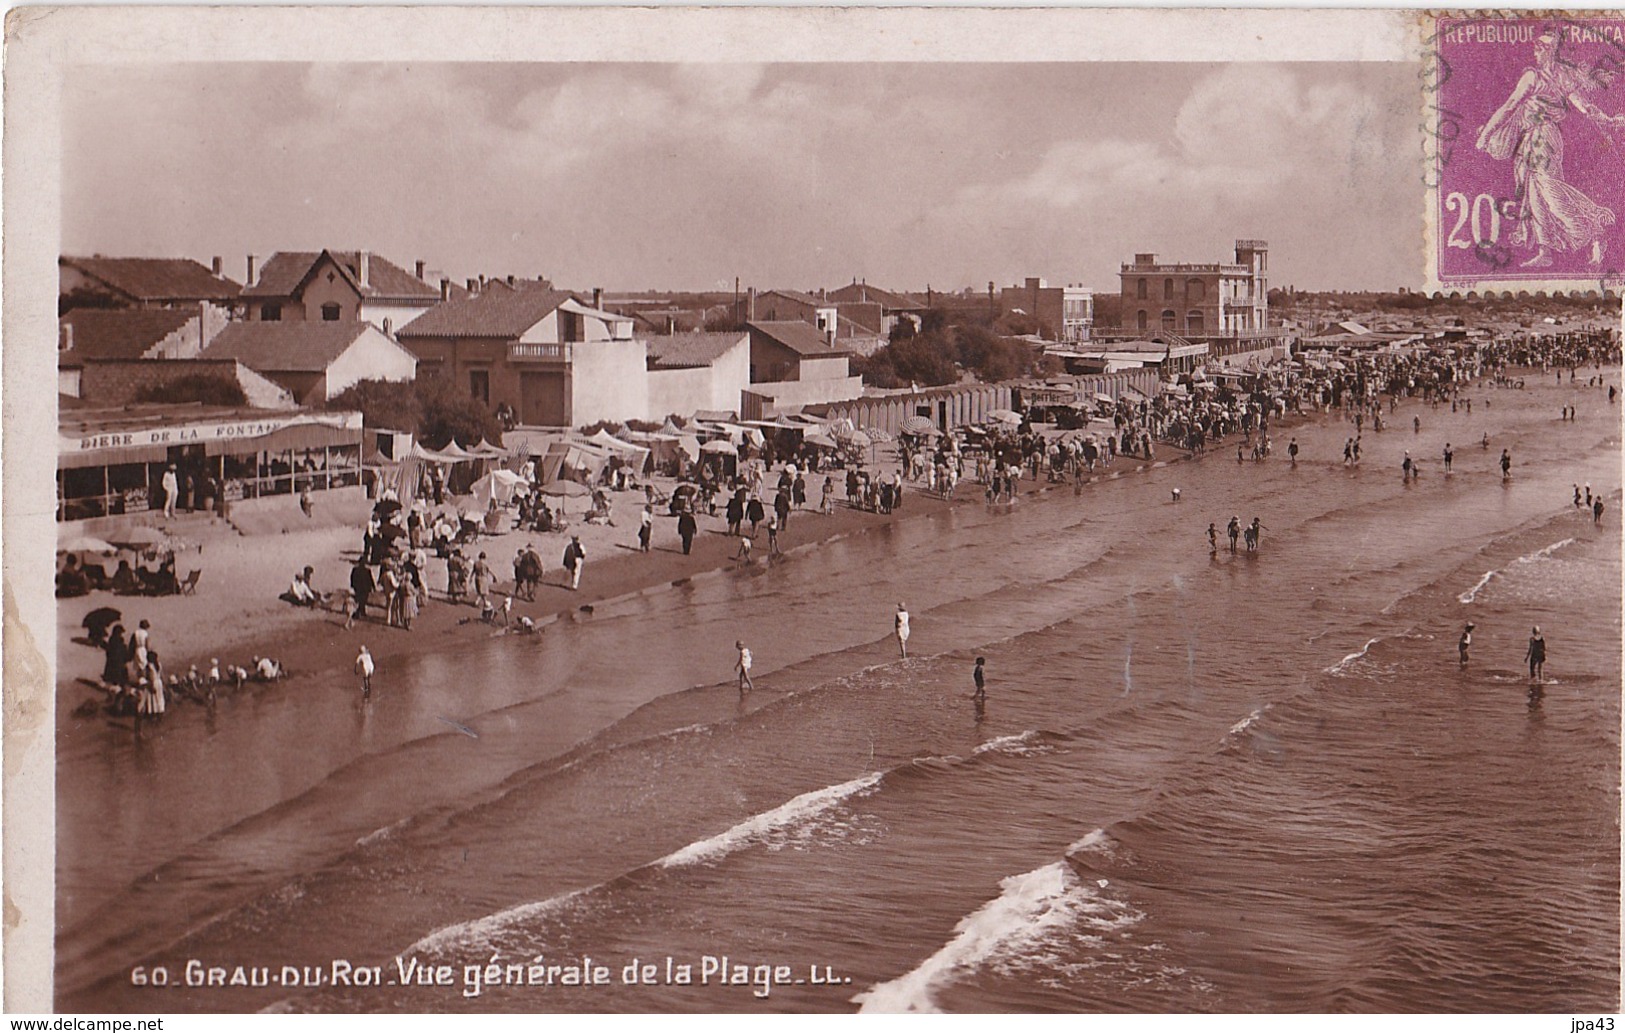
{"x":1523,"y":152}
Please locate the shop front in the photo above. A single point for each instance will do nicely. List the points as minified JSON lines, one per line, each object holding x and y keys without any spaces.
{"x":112,"y":463}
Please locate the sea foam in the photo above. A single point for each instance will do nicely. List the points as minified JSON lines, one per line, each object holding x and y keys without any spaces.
{"x":787,"y":815}
{"x":1030,"y":908}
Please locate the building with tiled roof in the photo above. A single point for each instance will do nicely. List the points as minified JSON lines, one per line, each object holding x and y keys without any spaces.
{"x":121,"y":333}
{"x":891,"y":301}
{"x":548,"y":356}
{"x":784,"y":305}
{"x":893,"y":307}
{"x":314,"y":361}
{"x":693,"y":371}
{"x":497,"y":310}
{"x":690,"y":350}
{"x":337,"y":286}
{"x":141,"y":282}
{"x":793,"y":350}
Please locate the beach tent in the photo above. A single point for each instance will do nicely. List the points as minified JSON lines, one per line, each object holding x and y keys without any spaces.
{"x":635,"y":456}
{"x":1005,"y":416}
{"x":573,"y":459}
{"x":450,"y":454}
{"x":455,"y":454}
{"x":486,"y":450}
{"x":498,"y":485}
{"x":719,"y":446}
{"x":663,"y":447}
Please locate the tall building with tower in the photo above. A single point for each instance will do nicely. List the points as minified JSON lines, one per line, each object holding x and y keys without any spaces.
{"x":1198,"y":298}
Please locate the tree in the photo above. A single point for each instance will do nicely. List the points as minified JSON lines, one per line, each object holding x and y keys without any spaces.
{"x":434,"y":411}
{"x":925,"y":359}
{"x":991,"y":357}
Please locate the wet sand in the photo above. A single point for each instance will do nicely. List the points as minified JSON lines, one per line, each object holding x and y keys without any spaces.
{"x":236,"y":613}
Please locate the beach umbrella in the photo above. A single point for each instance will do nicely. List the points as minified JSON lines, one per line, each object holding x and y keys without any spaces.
{"x":85,"y":543}
{"x":854,"y":438}
{"x":719,"y":446}
{"x":818,"y":439}
{"x":106,"y":616}
{"x":140,"y":538}
{"x":1005,"y":416}
{"x":1105,"y":399}
{"x":919,"y":425}
{"x":877,"y":435}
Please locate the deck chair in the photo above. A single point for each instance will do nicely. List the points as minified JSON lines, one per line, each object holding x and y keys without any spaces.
{"x":189,"y":586}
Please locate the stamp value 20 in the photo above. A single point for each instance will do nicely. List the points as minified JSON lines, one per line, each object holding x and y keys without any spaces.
{"x":1524,"y":126}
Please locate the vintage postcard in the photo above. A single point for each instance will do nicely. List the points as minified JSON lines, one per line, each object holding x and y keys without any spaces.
{"x":812,"y":510}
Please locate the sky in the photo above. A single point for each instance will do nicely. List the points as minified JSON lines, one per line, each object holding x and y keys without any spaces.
{"x":686,"y":176}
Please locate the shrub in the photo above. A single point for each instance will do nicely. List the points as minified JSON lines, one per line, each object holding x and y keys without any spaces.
{"x":204,"y":388}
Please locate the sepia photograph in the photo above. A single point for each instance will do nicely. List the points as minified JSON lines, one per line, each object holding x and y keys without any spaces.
{"x":813,"y":511}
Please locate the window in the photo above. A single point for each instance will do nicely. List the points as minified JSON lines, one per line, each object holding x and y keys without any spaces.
{"x":1141,"y":293}
{"x":1141,"y":320}
{"x":271,"y":313}
{"x":1194,"y":321}
{"x":479,"y":385}
{"x":1168,"y":287}
{"x":1169,"y":319}
{"x":1195,"y":291}
{"x":331,"y":312}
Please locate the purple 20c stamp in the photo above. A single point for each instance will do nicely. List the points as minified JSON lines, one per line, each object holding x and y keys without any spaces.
{"x":1525,"y":148}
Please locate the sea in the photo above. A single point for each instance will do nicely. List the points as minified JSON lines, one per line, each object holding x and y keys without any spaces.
{"x":1200,"y":782}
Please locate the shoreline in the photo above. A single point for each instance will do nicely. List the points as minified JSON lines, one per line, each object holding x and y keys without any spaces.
{"x":312,"y":643}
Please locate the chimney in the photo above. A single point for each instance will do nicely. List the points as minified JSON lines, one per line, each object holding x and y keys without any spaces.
{"x":445,"y":288}
{"x":421,"y":264}
{"x":473,"y":286}
{"x":363,"y":265}
{"x":482,"y":281}
{"x":217,"y":265}
{"x":389,"y":327}
{"x":598,"y":297}
{"x":250,"y":281}
{"x":510,"y":279}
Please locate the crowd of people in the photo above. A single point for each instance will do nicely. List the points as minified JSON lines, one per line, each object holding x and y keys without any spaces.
{"x":390,"y":575}
{"x":135,"y":683}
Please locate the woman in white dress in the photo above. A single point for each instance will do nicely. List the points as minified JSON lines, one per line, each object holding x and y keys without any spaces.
{"x":1527,"y":129}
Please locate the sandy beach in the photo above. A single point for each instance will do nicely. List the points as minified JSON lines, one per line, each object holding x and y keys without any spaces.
{"x":236,"y":614}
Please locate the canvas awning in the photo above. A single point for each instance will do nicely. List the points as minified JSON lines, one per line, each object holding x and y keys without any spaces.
{"x":498,"y":485}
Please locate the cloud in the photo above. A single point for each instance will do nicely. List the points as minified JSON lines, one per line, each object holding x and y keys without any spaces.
{"x":1253,"y":150}
{"x":675,"y":175}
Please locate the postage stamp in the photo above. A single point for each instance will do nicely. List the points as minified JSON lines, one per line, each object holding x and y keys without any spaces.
{"x":1525,"y":153}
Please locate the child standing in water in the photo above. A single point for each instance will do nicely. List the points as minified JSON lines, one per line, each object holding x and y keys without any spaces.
{"x":1536,"y":655}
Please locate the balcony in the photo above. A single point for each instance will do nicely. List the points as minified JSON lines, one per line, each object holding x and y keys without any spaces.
{"x":1240,"y":301}
{"x":520,"y":351}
